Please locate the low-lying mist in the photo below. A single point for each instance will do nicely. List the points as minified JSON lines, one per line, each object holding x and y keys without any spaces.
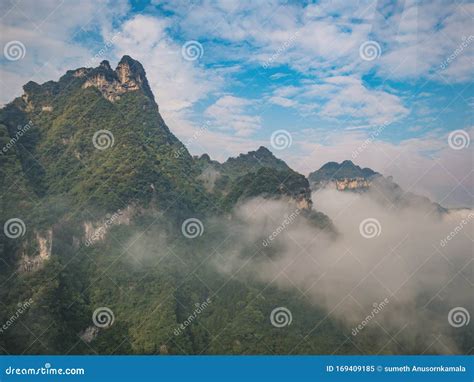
{"x":401,"y":270}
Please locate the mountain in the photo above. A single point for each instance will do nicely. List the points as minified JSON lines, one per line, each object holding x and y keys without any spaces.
{"x":255,"y":173}
{"x":98,"y":192}
{"x":99,"y":129}
{"x":346,"y":176}
{"x":253,"y":161}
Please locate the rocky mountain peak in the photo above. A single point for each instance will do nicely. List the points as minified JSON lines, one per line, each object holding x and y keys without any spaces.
{"x":254,"y":160}
{"x":339,"y":171}
{"x":105,"y":64}
{"x":345,"y":176}
{"x":262,"y":150}
{"x":128,"y":76}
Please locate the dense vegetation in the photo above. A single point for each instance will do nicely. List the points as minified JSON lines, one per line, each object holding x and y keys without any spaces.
{"x":145,"y":271}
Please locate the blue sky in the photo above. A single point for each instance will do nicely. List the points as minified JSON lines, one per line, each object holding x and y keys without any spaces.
{"x":330,"y":74}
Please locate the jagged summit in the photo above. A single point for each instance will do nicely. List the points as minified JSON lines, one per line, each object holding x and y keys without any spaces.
{"x":264,"y":151}
{"x":96,"y":121}
{"x":105,"y":64}
{"x":254,"y":160}
{"x":339,"y":171}
{"x":128,"y":76}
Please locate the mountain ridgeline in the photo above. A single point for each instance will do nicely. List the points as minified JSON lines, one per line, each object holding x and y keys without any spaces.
{"x":100,"y":189}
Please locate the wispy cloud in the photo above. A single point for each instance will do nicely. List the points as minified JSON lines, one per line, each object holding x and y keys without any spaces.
{"x":230,"y":113}
{"x":272,"y":65}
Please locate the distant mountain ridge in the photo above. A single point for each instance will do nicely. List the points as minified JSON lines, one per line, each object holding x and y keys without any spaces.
{"x":105,"y":227}
{"x":255,"y":173}
{"x":253,"y":161}
{"x":345,"y":175}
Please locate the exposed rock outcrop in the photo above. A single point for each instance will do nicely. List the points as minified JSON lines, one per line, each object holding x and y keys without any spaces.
{"x":97,"y":231}
{"x":352,"y":184}
{"x":89,"y":334}
{"x":343,"y":176}
{"x":42,"y":253}
{"x":128,"y":76}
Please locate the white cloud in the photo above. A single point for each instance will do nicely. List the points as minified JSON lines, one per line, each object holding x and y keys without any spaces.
{"x":427,"y":166}
{"x":282,"y":101}
{"x":354,"y":101}
{"x":345,"y":98}
{"x":50,"y":32}
{"x":427,"y":35}
{"x":231,"y":113}
{"x":323,"y":50}
{"x":176,"y":83}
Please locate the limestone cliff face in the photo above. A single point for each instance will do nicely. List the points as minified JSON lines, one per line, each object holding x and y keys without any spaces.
{"x":129,"y":76}
{"x":352,"y":184}
{"x":344,"y":184}
{"x":344,"y":176}
{"x":97,"y":231}
{"x":42,"y":253}
{"x":304,"y":203}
